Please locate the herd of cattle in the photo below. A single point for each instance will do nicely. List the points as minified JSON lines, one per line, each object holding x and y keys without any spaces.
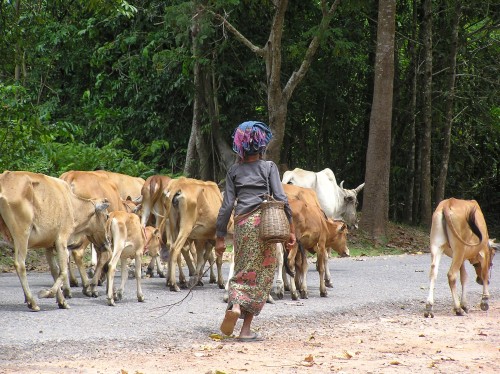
{"x":123,"y":217}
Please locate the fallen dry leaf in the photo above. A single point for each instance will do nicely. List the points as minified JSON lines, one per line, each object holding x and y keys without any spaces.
{"x":395,"y":363}
{"x":309,"y":358}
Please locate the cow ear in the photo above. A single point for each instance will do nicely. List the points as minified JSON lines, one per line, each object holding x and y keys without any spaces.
{"x":342,"y":228}
{"x":156,"y":232}
{"x":101,"y":206}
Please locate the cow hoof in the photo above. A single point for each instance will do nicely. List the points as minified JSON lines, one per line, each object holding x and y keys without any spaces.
{"x":428,"y":314}
{"x":221,"y":286}
{"x":175,"y":288}
{"x":295,"y":296}
{"x":99,"y":282}
{"x":459,"y":312}
{"x":329,"y":284}
{"x":303,"y":295}
{"x":270,"y":300}
{"x":322,"y":294}
{"x":465,"y":308}
{"x":86,"y":291}
{"x":119,"y":295}
{"x":150,"y":273}
{"x":73,"y":283}
{"x":280,"y":295}
{"x":45,"y":294}
{"x":34,"y":307}
{"x":111,"y":302}
{"x":140,"y":298}
{"x":161,"y":274}
{"x":67,"y":293}
{"x":63,"y":305}
{"x":484,"y":306}
{"x":95,"y":293}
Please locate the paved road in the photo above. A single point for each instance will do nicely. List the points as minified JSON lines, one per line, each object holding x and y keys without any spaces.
{"x":378,"y":285}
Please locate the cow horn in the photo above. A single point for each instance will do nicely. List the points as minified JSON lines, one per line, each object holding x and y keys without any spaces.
{"x":359,"y":188}
{"x":341,"y":184}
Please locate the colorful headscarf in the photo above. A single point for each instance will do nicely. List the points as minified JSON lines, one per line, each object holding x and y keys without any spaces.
{"x":251,"y":137}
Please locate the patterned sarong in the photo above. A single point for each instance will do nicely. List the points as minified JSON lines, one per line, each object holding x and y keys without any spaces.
{"x":254,"y":266}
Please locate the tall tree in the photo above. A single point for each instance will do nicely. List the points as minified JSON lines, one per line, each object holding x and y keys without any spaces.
{"x":449,"y":100}
{"x":426,"y":176}
{"x":378,"y":155}
{"x":277,"y":95}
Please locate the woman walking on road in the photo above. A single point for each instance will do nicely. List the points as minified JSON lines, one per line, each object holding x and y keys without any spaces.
{"x":247,"y":182}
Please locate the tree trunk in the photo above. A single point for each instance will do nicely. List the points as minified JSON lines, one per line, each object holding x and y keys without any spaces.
{"x":378,"y":155}
{"x":445,"y":152}
{"x":408,"y":216}
{"x":277,"y":96}
{"x":426,"y":190}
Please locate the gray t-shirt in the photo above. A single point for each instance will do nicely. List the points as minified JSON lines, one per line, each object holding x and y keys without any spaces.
{"x":246,"y":184}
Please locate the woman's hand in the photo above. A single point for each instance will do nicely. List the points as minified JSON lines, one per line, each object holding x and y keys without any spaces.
{"x":291,"y":241}
{"x":220,"y":246}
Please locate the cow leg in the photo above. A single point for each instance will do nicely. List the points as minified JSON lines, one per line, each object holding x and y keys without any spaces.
{"x":102,"y":259}
{"x":463,"y":281}
{"x":279,"y":289}
{"x":151,"y":267}
{"x":73,"y":282}
{"x":485,"y":277}
{"x":93,"y":262}
{"x":201,"y":259}
{"x":322,"y":257}
{"x":182,"y":278}
{"x":456,"y":264}
{"x":189,"y":252}
{"x":211,"y":260}
{"x":20,"y":252}
{"x":230,"y":275}
{"x":138,"y":262}
{"x":303,"y":279}
{"x":110,"y":275}
{"x":438,"y":240}
{"x":55,"y":290}
{"x":78,"y":255}
{"x":54,"y":271}
{"x":328,"y":277}
{"x":175,"y":252}
{"x":292,"y":258}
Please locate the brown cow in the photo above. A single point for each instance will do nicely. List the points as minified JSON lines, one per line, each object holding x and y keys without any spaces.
{"x":192,"y":206}
{"x":315,"y":233}
{"x":128,"y":239}
{"x":38,"y":211}
{"x":459,"y":230}
{"x":92,"y":185}
{"x":128,"y":186}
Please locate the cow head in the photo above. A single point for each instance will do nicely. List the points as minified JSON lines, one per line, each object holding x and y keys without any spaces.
{"x":478,"y":261}
{"x":154,"y":243}
{"x":350,"y":203}
{"x":339,"y":244}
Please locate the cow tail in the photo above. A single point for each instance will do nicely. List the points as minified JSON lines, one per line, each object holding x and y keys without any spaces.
{"x":471,"y":221}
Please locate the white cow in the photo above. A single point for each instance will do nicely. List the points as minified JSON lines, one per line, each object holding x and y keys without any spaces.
{"x":336,"y":202}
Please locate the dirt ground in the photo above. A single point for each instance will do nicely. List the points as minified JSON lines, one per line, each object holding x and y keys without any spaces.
{"x":397,"y":343}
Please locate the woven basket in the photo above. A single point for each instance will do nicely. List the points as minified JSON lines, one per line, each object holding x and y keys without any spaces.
{"x":274,"y":226}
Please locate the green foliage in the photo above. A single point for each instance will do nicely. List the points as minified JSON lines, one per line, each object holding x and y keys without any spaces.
{"x":109,"y":84}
